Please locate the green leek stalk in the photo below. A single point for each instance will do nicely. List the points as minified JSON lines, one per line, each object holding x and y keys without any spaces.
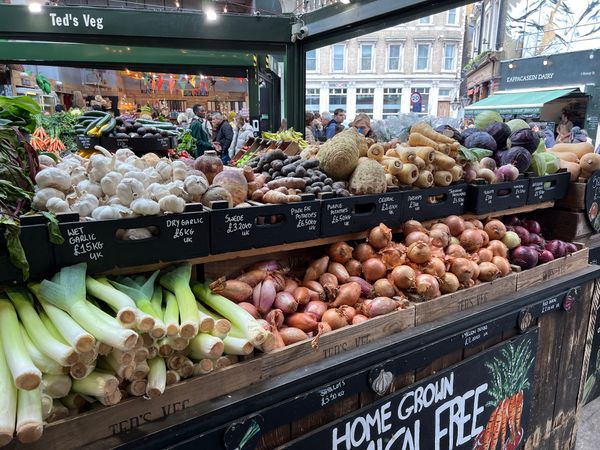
{"x":74,"y":401}
{"x":141,"y":370}
{"x":171,"y":314}
{"x":56,"y":386}
{"x":206,"y":346}
{"x":41,"y":361}
{"x":68,"y":294}
{"x":8,"y":401}
{"x":238,"y":316}
{"x":25,"y":374}
{"x":121,"y":303}
{"x":46,"y":405}
{"x":37,"y":331}
{"x":137,"y":388}
{"x":237,"y":346}
{"x":111,"y":399}
{"x":223,"y":361}
{"x":203,"y":367}
{"x":157,"y":300}
{"x":141,"y":354}
{"x":142,"y":295}
{"x":221,"y":325}
{"x":79,"y":371}
{"x":72,"y":332}
{"x":157,"y":377}
{"x":178,"y":282}
{"x":96,"y":384}
{"x":186,"y":369}
{"x":30,"y":424}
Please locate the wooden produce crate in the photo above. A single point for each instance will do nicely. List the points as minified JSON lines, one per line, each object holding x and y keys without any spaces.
{"x":434,"y":202}
{"x":557,"y":268}
{"x":575,"y":198}
{"x":565,"y":225}
{"x":462,"y":300}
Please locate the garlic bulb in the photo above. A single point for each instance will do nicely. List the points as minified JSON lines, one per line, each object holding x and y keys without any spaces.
{"x":99,"y":166}
{"x":109,"y":182}
{"x":138,"y":175}
{"x":78,"y":174}
{"x":195,"y":186}
{"x":90,"y":187}
{"x":47,"y":161}
{"x":42,"y":196}
{"x":152,"y":176}
{"x":85,"y":205}
{"x":106,"y":212}
{"x":57,"y":205}
{"x":179,"y":170}
{"x":54,"y":178}
{"x":123,"y":153}
{"x":123,"y":168}
{"x":139,"y":163}
{"x":68,"y":165}
{"x":145,"y":207}
{"x":151,"y":159}
{"x":136,"y":234}
{"x":156,"y":191}
{"x":172,"y":204}
{"x":165,"y":170}
{"x":129,"y":189}
{"x":176,"y":188}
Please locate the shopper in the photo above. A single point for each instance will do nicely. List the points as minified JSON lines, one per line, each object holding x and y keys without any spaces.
{"x":183,"y":121}
{"x":200,"y":114}
{"x":579,"y":135}
{"x":198,"y":132}
{"x":362,"y":124}
{"x":321,"y":129}
{"x":223,"y":136}
{"x":547,"y":135}
{"x":309,"y":136}
{"x":59,"y":108}
{"x":241,"y":133}
{"x":339,"y":115}
{"x":564,"y":129}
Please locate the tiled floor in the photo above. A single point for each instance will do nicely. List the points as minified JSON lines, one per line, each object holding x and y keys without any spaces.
{"x":587,"y":435}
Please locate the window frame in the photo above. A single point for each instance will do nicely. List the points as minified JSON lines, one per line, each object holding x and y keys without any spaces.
{"x":317,"y":93}
{"x":454,"y":58}
{"x":329,"y":93}
{"x":344,"y":61}
{"x":429,"y":62}
{"x":316,"y":69}
{"x":456,"y":22}
{"x":360,"y":57}
{"x":371,"y":93}
{"x":400,"y":57}
{"x":398,"y":92}
{"x":429,"y":21}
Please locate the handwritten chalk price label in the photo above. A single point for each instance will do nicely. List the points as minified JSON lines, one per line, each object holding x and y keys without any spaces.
{"x":520,"y":190}
{"x":458,"y":196}
{"x":388,"y":205}
{"x":340,"y":214}
{"x":184,"y":229}
{"x":85,"y":244}
{"x":305,"y":217}
{"x":414,"y":202}
{"x":237,"y":224}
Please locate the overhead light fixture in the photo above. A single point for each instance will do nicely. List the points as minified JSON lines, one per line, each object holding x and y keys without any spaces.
{"x":546,"y":62}
{"x":511,"y":66}
{"x":177,"y":5}
{"x":345,"y":2}
{"x":225,"y":9}
{"x":211,"y":14}
{"x":35,"y":7}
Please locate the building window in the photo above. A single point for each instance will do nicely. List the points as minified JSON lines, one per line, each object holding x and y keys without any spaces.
{"x":391,"y":102}
{"x":425,"y":20}
{"x":312,"y":99}
{"x":424,"y":101}
{"x":449,"y":56}
{"x":394,"y":62}
{"x":338,"y":58}
{"x":444,"y":93}
{"x":452,"y":17}
{"x":337,"y":99}
{"x":364,"y":100}
{"x":366,"y":57}
{"x":422,"y":57}
{"x":311,"y":61}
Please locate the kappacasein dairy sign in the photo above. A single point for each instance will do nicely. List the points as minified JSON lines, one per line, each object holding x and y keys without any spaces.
{"x":483,"y":403}
{"x":71,"y":20}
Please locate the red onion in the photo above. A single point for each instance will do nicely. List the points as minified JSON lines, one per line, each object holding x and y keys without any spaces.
{"x":532,"y":226}
{"x":286,"y":302}
{"x":557,"y":248}
{"x":545,"y":256}
{"x":366,"y":289}
{"x":512,"y":221}
{"x":536,"y":239}
{"x":316,"y":308}
{"x":523,"y":235}
{"x":571,"y":248}
{"x":524,"y":257}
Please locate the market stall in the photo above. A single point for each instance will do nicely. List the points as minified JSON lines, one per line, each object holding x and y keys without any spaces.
{"x":343,"y":296}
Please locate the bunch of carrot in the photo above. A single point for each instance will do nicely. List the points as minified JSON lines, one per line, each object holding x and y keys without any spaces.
{"x":40,"y":139}
{"x":506,"y":417}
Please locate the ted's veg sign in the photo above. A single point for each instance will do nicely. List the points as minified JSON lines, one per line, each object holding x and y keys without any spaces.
{"x":482,"y":403}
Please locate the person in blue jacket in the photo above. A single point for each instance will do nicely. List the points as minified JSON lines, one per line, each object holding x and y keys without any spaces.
{"x":339,"y":115}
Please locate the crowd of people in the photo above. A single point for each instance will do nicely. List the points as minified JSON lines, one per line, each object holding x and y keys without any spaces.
{"x":324,"y":126}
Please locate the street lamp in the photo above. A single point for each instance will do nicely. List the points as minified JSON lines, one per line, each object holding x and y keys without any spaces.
{"x":456,"y":103}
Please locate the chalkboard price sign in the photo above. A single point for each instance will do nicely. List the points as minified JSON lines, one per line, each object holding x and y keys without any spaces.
{"x":592,"y":201}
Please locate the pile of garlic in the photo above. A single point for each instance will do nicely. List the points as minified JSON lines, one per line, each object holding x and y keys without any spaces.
{"x":113,"y":186}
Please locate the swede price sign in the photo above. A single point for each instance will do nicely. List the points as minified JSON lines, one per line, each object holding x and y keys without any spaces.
{"x":481,"y":403}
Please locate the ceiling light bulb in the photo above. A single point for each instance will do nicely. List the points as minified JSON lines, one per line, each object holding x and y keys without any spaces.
{"x":211,"y":14}
{"x":345,"y":2}
{"x":35,"y":7}
{"x":225,"y":8}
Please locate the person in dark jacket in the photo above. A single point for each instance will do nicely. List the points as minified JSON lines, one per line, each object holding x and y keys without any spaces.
{"x":223,"y":136}
{"x":198,"y":132}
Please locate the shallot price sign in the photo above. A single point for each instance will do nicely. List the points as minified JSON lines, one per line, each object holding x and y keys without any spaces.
{"x":481,"y":403}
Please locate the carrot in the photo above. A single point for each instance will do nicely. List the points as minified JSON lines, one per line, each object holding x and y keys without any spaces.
{"x":497,"y":426}
{"x":589,"y":163}
{"x":426,"y":130}
{"x":519,"y":409}
{"x":489,"y":429}
{"x":580,"y":149}
{"x":504,"y":420}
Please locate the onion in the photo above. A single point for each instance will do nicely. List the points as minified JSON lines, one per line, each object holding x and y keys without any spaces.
{"x":571,"y":248}
{"x":485,"y":255}
{"x":264,"y":295}
{"x":316,"y":308}
{"x":537,"y":240}
{"x":416,"y":236}
{"x":302,"y":295}
{"x":335,"y":319}
{"x":462,"y":268}
{"x":471,"y":240}
{"x":393,"y":255}
{"x":340,"y":252}
{"x":439,"y":237}
{"x":476,"y":270}
{"x":348,"y":311}
{"x":275,"y":318}
{"x":348,"y":294}
{"x":410,"y":226}
{"x":291,"y":335}
{"x":253,"y":277}
{"x":524,"y":257}
{"x":488,"y":271}
{"x":234,"y":290}
{"x":495,"y":229}
{"x":512,"y":221}
{"x":440,"y":226}
{"x":328,"y":281}
{"x":317,"y":287}
{"x":366,"y":289}
{"x":279,"y":281}
{"x":427,"y":286}
{"x":320,"y":265}
{"x":418,"y":252}
{"x":403,"y":277}
{"x":354,"y":268}
{"x":339,"y":271}
{"x":384,"y":288}
{"x":502,"y":264}
{"x":511,"y":240}
{"x":359,"y":318}
{"x":286,"y":302}
{"x":290,"y":285}
{"x":498,"y":248}
{"x":380,"y":306}
{"x":363,"y":251}
{"x":484,"y":236}
{"x":523,"y":235}
{"x":269,"y":266}
{"x":305,"y":322}
{"x":532,"y":226}
{"x":557,"y":248}
{"x":380,"y":236}
{"x":374,"y":269}
{"x":264,"y":324}
{"x":449,"y":283}
{"x":469,"y":226}
{"x":454,"y":241}
{"x":251,"y":309}
{"x":456,"y":251}
{"x":455,"y":224}
{"x":435,"y":267}
{"x":545,"y":256}
{"x":476,"y":223}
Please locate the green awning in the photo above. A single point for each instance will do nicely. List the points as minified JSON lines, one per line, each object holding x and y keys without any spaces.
{"x":528,"y":102}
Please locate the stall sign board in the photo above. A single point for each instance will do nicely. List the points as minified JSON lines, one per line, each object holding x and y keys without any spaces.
{"x":592,"y":201}
{"x":480,"y":403}
{"x":591,"y":388}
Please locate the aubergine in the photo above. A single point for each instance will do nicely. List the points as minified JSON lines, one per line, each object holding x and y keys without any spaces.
{"x":149,"y":136}
{"x":134,"y":135}
{"x":141,"y":131}
{"x":137,"y":126}
{"x":122,"y":135}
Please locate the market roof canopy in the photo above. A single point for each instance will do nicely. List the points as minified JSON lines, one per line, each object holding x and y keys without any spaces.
{"x":529,"y":102}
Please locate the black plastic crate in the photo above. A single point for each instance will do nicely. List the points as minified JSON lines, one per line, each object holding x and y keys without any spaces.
{"x":485,"y":198}
{"x":434,"y":202}
{"x":548,"y":187}
{"x":259,"y":225}
{"x":175,"y":237}
{"x":137,"y":145}
{"x":36,"y":245}
{"x":359,"y":213}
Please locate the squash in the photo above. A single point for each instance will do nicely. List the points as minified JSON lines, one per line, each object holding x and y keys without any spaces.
{"x":567,"y":156}
{"x":573,"y":168}
{"x":589,"y":163}
{"x":580,"y":149}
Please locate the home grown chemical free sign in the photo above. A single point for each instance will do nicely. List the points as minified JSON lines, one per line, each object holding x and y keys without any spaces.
{"x":483,"y":402}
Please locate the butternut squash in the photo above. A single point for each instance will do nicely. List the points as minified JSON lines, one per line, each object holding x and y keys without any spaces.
{"x":589,"y":163}
{"x":580,"y":149}
{"x":573,"y":168}
{"x":567,"y":156}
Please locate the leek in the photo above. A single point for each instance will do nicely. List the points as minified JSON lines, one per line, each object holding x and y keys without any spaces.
{"x":157,"y":377}
{"x":172,"y":377}
{"x":206,"y":346}
{"x":141,"y":354}
{"x":51,"y":328}
{"x":79,"y":370}
{"x":141,"y":370}
{"x":187,"y":368}
{"x":30,"y":424}
{"x":96,"y":384}
{"x":37,"y":331}
{"x":74,"y":401}
{"x":41,"y":361}
{"x":223,"y":361}
{"x":237,"y":346}
{"x":58,"y":412}
{"x":8,"y":401}
{"x":73,"y":333}
{"x":142,"y":295}
{"x":171,"y":314}
{"x":178,"y":282}
{"x":56,"y":386}
{"x":46,"y":405}
{"x":220,"y":327}
{"x":203,"y":367}
{"x":237,"y":315}
{"x":69,"y":295}
{"x":137,"y":388}
{"x":120,"y":302}
{"x":157,"y":300}
{"x":25,"y":374}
